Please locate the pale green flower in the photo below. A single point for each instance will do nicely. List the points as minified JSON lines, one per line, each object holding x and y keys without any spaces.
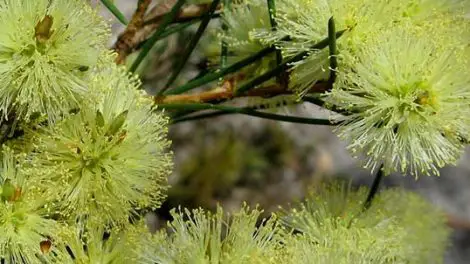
{"x":408,"y":101}
{"x":306,"y":22}
{"x":213,"y":238}
{"x":27,"y":235}
{"x":425,"y":225}
{"x":109,"y":159}
{"x":336,"y":228}
{"x":242,"y":19}
{"x":96,"y":245}
{"x":46,"y":48}
{"x":422,"y":10}
{"x":343,"y":245}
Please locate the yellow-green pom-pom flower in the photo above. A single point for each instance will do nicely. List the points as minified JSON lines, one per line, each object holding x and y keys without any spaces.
{"x":27,"y":235}
{"x":335,"y":228}
{"x":306,"y":22}
{"x":214,"y":238}
{"x":109,"y":159}
{"x":46,"y":47}
{"x":242,"y":20}
{"x":96,"y":245}
{"x":421,"y":221}
{"x":408,"y":101}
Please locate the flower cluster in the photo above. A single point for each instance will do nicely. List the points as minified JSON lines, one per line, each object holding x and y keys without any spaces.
{"x":331,"y":226}
{"x":99,"y":246}
{"x":335,"y":228}
{"x":214,"y":238}
{"x":399,"y":86}
{"x":86,"y":152}
{"x":239,"y":32}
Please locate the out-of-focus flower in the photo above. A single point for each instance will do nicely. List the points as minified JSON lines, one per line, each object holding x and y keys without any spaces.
{"x":417,"y":217}
{"x":306,"y":23}
{"x":334,"y":227}
{"x":240,"y":21}
{"x":46,"y":48}
{"x":111,"y":158}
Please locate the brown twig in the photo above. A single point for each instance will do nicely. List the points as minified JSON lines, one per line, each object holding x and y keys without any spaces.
{"x":225,"y":92}
{"x":124,"y":43}
{"x":457,"y":223}
{"x":142,"y":26}
{"x":187,"y":12}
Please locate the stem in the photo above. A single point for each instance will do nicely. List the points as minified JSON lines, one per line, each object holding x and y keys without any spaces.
{"x":333,"y":51}
{"x":247,"y":111}
{"x":200,"y":116}
{"x":374,"y":188}
{"x":282,"y":78}
{"x":224,"y":46}
{"x":224,"y":92}
{"x":115,"y":11}
{"x":192,"y":44}
{"x":268,"y":75}
{"x":167,"y":19}
{"x":125,"y":42}
{"x":171,"y":30}
{"x":272,"y":19}
{"x":188,"y":12}
{"x":220,"y":73}
{"x":317,"y":101}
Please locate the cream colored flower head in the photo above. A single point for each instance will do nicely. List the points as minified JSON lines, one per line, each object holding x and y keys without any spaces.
{"x":417,"y":217}
{"x":46,"y":47}
{"x":111,"y":158}
{"x":334,"y":227}
{"x":203,"y":237}
{"x":27,"y":234}
{"x":306,"y":22}
{"x":97,"y":245}
{"x":242,"y":20}
{"x":408,"y":99}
